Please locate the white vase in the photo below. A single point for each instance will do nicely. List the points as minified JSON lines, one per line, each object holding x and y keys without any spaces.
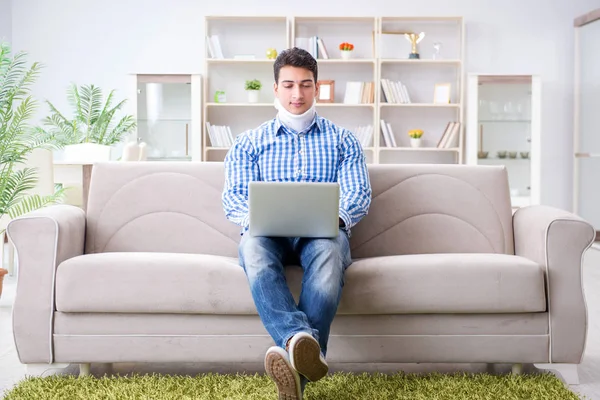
{"x":252,"y":96}
{"x":346,"y":54}
{"x":87,"y":152}
{"x":415,"y":142}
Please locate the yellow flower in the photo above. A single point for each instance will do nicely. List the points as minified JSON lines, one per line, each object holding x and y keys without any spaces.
{"x":415,"y":133}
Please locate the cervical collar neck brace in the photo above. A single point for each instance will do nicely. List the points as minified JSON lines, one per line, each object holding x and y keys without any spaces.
{"x":297,"y":123}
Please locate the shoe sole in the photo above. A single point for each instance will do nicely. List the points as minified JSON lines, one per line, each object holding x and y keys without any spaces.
{"x":287,"y":382}
{"x":306,"y":359}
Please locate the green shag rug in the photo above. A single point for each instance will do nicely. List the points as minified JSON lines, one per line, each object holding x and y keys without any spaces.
{"x":336,"y":386}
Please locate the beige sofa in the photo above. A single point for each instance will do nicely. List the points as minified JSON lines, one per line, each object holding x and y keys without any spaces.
{"x":443,"y":272}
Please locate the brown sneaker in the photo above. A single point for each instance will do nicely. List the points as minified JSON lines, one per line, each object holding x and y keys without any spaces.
{"x":287,"y":380}
{"x":306,"y":358}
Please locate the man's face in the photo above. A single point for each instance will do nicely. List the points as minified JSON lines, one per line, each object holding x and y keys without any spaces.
{"x":296,"y":89}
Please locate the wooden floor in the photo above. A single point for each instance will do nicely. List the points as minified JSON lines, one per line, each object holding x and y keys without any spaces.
{"x":11,"y":370}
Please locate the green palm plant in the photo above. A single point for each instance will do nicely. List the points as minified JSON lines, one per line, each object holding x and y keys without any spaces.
{"x":18,"y":138}
{"x":93,"y":120}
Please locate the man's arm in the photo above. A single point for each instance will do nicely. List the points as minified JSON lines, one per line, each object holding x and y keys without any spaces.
{"x":355,"y":186}
{"x":240,"y":169}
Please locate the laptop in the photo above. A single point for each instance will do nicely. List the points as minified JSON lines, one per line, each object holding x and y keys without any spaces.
{"x":294,"y":209}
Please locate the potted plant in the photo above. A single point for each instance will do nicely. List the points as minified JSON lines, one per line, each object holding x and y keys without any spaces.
{"x":346,"y":50}
{"x":18,"y":139}
{"x":93,"y":129}
{"x":253,"y":88}
{"x":415,"y":137}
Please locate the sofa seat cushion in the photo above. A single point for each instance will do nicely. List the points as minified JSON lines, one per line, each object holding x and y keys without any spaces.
{"x":208,"y":284}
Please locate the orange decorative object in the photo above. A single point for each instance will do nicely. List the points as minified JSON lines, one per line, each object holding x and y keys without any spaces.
{"x":346,"y":46}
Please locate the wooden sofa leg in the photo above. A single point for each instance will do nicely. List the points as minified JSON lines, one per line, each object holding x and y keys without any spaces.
{"x":568,"y":372}
{"x":43,"y":370}
{"x":517,"y":369}
{"x":84,"y":369}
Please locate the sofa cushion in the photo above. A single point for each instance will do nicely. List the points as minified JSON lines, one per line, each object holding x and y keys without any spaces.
{"x":191,"y":283}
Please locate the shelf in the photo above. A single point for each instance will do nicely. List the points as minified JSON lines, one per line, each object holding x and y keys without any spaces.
{"x":419,"y":61}
{"x":454,"y":149}
{"x":272,"y":105}
{"x":344,"y":105}
{"x":342,"y":61}
{"x":504,"y":121}
{"x":240,"y":105}
{"x":422,"y":19}
{"x":333,"y":19}
{"x":246,"y":18}
{"x":504,"y":159}
{"x":212,"y":148}
{"x":451,"y":105}
{"x":241,"y":61}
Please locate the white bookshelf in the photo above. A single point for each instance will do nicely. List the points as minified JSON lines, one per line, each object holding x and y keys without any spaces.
{"x":376,"y":55}
{"x":420,"y":77}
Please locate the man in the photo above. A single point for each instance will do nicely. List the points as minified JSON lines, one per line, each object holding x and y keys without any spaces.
{"x":297,"y":145}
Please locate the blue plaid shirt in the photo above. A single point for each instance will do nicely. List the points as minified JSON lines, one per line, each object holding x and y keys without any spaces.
{"x":272,"y":152}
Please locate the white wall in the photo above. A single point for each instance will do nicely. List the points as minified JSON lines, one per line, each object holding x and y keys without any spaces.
{"x":5,"y":21}
{"x":103,"y":41}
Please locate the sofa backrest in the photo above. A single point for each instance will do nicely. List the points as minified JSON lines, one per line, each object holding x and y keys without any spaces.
{"x":159,"y":207}
{"x":176,"y":207}
{"x":436,"y":208}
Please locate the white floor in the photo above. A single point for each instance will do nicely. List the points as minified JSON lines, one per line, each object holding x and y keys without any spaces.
{"x":11,"y":370}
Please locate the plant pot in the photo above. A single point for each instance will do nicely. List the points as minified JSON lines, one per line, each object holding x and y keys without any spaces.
{"x":415,"y":142}
{"x":252,"y":96}
{"x":346,"y":54}
{"x":3,"y":272}
{"x":87,"y":152}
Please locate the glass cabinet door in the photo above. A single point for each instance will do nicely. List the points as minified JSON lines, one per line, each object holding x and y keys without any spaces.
{"x":165,"y":117}
{"x":505,"y":133}
{"x":503,"y":128}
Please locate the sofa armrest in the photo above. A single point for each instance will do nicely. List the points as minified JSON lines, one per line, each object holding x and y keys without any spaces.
{"x":557,"y":240}
{"x":43,"y":239}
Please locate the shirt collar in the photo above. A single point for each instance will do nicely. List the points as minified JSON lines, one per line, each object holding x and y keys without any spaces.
{"x":278,"y":126}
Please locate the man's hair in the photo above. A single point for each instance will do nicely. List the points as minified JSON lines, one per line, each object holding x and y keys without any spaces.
{"x":295,"y":57}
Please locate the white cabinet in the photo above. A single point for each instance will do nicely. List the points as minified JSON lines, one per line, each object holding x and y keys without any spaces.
{"x":503,"y":128}
{"x":168,"y":111}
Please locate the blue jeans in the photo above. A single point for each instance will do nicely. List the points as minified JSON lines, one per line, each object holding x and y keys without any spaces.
{"x":323,"y":261}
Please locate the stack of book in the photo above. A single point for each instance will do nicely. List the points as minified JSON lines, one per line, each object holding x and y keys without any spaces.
{"x":359,"y":93}
{"x":388,"y":134}
{"x":214,"y":47}
{"x":314,"y":45}
{"x":395,"y":92}
{"x":450,"y":137}
{"x":364,"y":134}
{"x":220,"y":136}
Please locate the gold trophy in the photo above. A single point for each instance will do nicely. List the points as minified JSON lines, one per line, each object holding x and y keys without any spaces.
{"x":414,"y":39}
